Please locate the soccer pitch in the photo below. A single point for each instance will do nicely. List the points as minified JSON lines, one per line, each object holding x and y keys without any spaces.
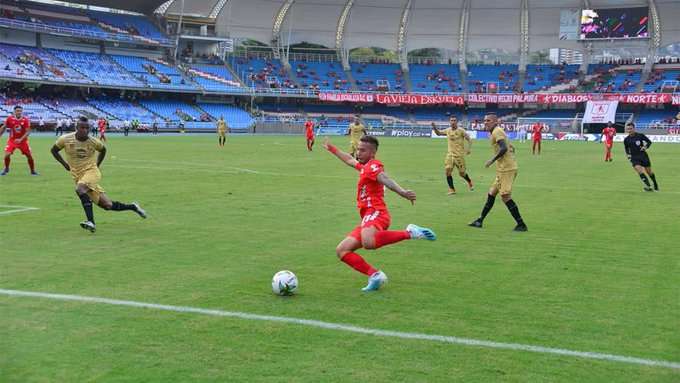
{"x":597,"y":272}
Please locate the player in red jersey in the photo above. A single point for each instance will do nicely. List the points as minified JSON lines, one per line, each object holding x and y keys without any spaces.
{"x":309,"y":133}
{"x":19,"y":130}
{"x":102,"y":123}
{"x":372,"y":232}
{"x":608,"y":134}
{"x":536,"y":130}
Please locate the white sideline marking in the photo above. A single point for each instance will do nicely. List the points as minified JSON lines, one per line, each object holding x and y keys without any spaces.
{"x":350,"y":328}
{"x":16,"y":209}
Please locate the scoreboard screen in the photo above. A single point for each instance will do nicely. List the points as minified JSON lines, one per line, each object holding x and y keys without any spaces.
{"x":614,"y":23}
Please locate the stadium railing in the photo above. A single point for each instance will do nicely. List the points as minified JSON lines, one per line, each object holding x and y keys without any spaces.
{"x":72,"y":32}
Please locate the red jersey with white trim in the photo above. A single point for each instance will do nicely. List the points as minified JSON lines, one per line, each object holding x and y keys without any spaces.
{"x":608,"y":134}
{"x":537,"y":129}
{"x":370,"y":192}
{"x":102,"y":125}
{"x":17,"y":126}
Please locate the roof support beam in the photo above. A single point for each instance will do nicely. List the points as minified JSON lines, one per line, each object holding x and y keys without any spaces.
{"x":343,"y":55}
{"x":402,"y":50}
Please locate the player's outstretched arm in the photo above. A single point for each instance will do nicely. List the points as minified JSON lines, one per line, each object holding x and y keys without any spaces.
{"x":55,"y":153}
{"x":342,"y":156}
{"x":437,"y":131}
{"x":100,"y":157}
{"x":389,"y":183}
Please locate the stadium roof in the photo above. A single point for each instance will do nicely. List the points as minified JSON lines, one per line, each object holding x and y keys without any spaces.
{"x":141,"y":6}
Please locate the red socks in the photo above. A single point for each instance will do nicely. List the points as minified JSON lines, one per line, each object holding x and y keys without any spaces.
{"x":356,"y":262}
{"x":31,"y":164}
{"x":7,"y":162}
{"x":385,"y":237}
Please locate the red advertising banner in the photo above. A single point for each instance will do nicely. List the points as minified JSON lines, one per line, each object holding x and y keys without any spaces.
{"x":419,"y":99}
{"x":676,"y":100}
{"x":511,"y":98}
{"x":350,"y":97}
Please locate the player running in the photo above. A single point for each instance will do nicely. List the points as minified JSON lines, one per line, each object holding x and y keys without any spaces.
{"x":309,"y":134}
{"x":221,"y":131}
{"x":536,"y":137}
{"x":636,"y":145}
{"x":608,"y":134}
{"x":103,"y":124}
{"x":455,"y":156}
{"x":19,"y":129}
{"x":506,"y":171}
{"x":80,"y":151}
{"x":356,"y":131}
{"x":372,"y":232}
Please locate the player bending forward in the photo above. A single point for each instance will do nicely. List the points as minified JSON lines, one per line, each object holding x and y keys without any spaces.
{"x":80,"y":151}
{"x":372,"y":232}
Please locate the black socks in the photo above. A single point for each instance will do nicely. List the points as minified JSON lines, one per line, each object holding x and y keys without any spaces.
{"x":87,"y":206}
{"x":487,"y":206}
{"x":514,"y":211}
{"x":449,"y":180}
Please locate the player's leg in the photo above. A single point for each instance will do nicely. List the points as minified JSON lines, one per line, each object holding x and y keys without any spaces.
{"x":82,"y":191}
{"x":449,"y":180}
{"x":490,"y":200}
{"x":462,"y":172}
{"x":539,"y":146}
{"x":107,"y":204}
{"x":507,"y":180}
{"x":26,"y":151}
{"x":8,"y":155}
{"x":533,"y":147}
{"x":346,"y":253}
{"x":311,"y":144}
{"x":641,"y":173}
{"x":648,"y":170}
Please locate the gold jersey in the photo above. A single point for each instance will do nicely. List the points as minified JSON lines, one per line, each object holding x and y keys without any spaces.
{"x":456,"y":141}
{"x":507,"y":162}
{"x":80,"y":155}
{"x":356,"y":131}
{"x":221,"y":126}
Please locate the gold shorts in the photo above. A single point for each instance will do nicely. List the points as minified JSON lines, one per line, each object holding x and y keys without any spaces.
{"x":222,"y":133}
{"x":90,"y":178}
{"x":452,"y":161}
{"x":504,"y":180}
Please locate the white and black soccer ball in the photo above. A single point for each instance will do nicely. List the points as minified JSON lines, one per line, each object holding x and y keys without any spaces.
{"x":284,"y":283}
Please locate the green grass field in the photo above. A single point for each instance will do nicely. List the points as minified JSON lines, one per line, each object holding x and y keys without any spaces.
{"x":597,"y":271}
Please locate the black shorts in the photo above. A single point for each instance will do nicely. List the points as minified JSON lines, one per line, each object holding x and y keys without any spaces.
{"x":641,"y":161}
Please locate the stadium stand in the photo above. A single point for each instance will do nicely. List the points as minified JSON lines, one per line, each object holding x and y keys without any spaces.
{"x":38,"y":62}
{"x":99,"y":68}
{"x":263,"y":73}
{"x":320,"y":75}
{"x":493,"y":78}
{"x":123,"y":110}
{"x":657,"y":78}
{"x":154,"y":72}
{"x":213,"y":78}
{"x":435,"y":78}
{"x":172,"y":110}
{"x":542,"y":77}
{"x":378,"y":77}
{"x":235,"y":117}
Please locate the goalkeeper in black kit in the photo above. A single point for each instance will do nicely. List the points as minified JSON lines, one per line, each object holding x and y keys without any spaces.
{"x":636,"y":145}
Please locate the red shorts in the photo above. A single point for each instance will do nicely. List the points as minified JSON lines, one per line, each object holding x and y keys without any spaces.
{"x":310,"y":138}
{"x":371,"y":218}
{"x":608,"y":144}
{"x":23,"y":146}
{"x":537,"y":138}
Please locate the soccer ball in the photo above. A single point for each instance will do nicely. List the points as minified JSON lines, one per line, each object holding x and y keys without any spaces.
{"x":284,"y":283}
